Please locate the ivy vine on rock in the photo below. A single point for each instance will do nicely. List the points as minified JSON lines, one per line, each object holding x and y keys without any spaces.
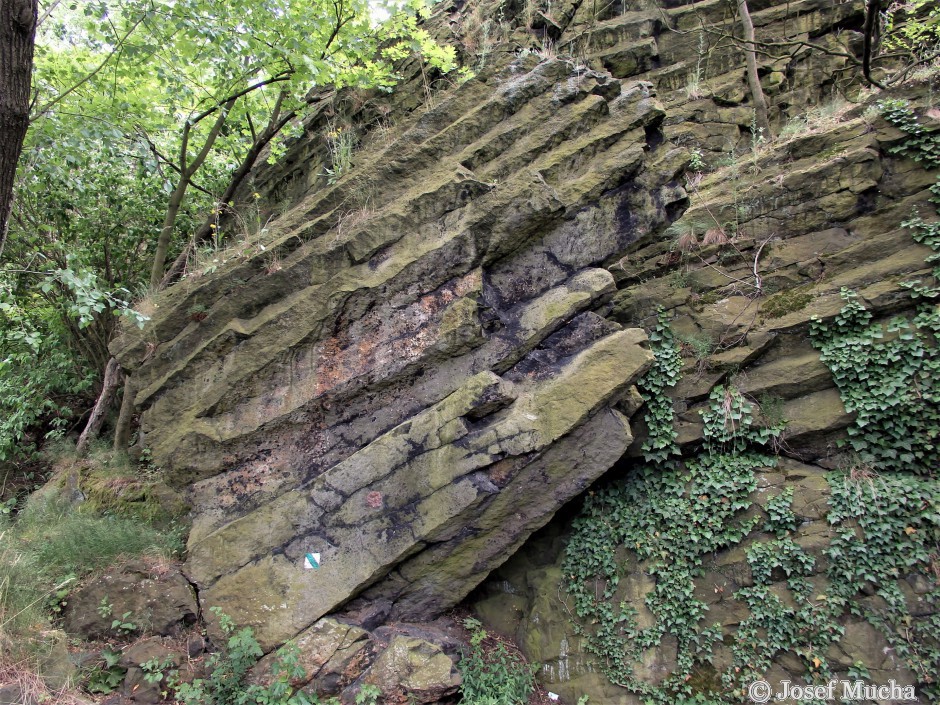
{"x":660,"y":444}
{"x":886,"y":374}
{"x":664,"y":520}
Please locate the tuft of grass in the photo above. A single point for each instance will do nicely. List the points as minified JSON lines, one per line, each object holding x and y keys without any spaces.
{"x":49,"y":546}
{"x":32,"y":689}
{"x":823,"y":117}
{"x":65,"y":540}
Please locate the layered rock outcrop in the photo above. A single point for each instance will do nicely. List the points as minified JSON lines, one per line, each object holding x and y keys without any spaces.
{"x":377,"y":399}
{"x":409,"y":397}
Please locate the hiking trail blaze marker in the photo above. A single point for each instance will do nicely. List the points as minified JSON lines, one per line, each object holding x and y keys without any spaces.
{"x":311,"y":561}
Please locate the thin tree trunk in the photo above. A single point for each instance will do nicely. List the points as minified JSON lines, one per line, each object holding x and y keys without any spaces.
{"x":275,"y":125}
{"x":122,"y":433}
{"x":761,"y":118}
{"x":176,"y":199}
{"x":112,"y":378}
{"x":17,"y":39}
{"x":871,"y":26}
{"x":166,"y":232}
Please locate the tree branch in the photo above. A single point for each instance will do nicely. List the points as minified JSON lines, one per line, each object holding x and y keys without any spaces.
{"x":118,"y":47}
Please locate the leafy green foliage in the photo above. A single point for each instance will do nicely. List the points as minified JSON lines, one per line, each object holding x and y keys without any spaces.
{"x":38,"y":372}
{"x":136,"y":102}
{"x":922,"y":146}
{"x":806,"y":625}
{"x":227,"y":682}
{"x":898,"y":531}
{"x":780,"y":517}
{"x":660,"y":444}
{"x":124,"y":625}
{"x":106,"y":675}
{"x":912,"y":26}
{"x":664,"y":519}
{"x":227,"y":671}
{"x":887,"y":375}
{"x":492,"y":676}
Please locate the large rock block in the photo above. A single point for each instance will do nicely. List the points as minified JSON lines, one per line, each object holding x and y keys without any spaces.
{"x":441,"y":499}
{"x":152,"y":601}
{"x":412,"y":392}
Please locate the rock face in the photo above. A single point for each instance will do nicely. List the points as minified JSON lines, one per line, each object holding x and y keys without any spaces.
{"x":526,"y":598}
{"x":411,"y":370}
{"x":407,"y":663}
{"x":412,"y":395}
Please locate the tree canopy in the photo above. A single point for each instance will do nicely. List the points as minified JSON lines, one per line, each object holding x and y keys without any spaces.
{"x":146,"y":117}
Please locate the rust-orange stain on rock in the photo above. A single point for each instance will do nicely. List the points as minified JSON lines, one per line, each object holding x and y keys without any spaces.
{"x":387,"y":336}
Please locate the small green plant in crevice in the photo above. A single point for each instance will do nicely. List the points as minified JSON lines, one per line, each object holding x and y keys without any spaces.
{"x":698,"y":345}
{"x":368,"y":694}
{"x":679,"y":279}
{"x":156,"y":670}
{"x":341,"y":143}
{"x":889,"y":376}
{"x":104,"y":608}
{"x":227,"y":682}
{"x":771,"y":410}
{"x":697,"y":160}
{"x":492,"y":675}
{"x":106,"y":675}
{"x":124,"y":625}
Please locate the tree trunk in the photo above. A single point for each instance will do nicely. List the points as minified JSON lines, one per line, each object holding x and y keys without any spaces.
{"x":275,"y":125}
{"x":122,"y":433}
{"x":112,"y":378}
{"x":176,"y":200}
{"x":17,"y":38}
{"x":761,"y":118}
{"x":166,"y":232}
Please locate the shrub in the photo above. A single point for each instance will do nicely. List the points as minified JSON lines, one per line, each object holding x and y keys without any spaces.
{"x":493,"y":676}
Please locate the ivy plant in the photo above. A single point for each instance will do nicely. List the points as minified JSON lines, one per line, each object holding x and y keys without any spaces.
{"x":664,"y":520}
{"x":886,"y":376}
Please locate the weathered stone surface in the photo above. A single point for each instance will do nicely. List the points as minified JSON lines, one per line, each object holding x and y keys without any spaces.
{"x":156,"y":602}
{"x":136,"y":687}
{"x":430,"y":481}
{"x":414,"y":390}
{"x":332,"y":654}
{"x":439,"y":361}
{"x":412,"y":670}
{"x":408,"y":663}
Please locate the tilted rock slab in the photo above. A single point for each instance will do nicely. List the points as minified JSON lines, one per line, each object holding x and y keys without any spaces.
{"x":412,"y":391}
{"x":453,"y":492}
